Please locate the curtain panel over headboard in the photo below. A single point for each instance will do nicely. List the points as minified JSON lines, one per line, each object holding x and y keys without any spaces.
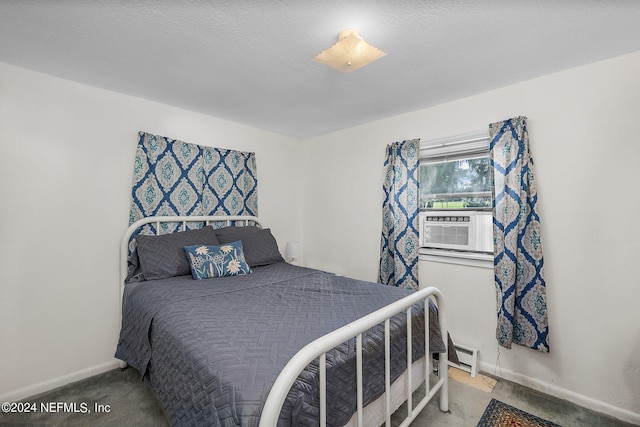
{"x":172,"y":177}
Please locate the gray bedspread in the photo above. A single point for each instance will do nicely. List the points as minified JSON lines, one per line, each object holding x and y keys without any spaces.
{"x":211,"y":349}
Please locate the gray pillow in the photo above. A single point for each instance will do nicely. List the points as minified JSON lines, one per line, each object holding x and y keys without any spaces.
{"x":235,"y":231}
{"x":163,"y":256}
{"x":134,"y":271}
{"x":259,"y":245}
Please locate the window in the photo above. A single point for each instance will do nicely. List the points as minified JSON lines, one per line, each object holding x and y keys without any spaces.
{"x":456,"y":174}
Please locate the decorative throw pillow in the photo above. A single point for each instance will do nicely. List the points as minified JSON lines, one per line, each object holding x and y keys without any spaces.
{"x":260,"y":247}
{"x":217,"y":261}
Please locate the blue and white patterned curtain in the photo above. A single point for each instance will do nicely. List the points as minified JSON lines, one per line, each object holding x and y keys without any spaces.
{"x":172,"y":177}
{"x":518,"y":262}
{"x":399,"y":246}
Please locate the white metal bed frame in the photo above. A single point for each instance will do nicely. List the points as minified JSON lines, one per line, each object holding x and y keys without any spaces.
{"x":318,"y":348}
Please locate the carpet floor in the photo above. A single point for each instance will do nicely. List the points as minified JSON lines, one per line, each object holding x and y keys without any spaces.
{"x":120,"y":398}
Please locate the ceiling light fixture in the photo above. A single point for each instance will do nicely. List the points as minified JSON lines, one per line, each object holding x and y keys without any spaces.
{"x":349,"y":53}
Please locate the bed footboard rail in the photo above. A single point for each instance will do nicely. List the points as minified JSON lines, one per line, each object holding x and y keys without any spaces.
{"x":317,"y":350}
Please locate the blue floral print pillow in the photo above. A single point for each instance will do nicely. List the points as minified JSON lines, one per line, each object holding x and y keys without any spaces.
{"x":217,"y":261}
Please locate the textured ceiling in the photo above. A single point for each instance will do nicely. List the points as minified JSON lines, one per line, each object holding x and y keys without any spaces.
{"x":250,"y":61}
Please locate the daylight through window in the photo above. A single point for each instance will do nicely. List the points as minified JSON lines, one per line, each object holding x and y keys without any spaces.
{"x":456,"y":175}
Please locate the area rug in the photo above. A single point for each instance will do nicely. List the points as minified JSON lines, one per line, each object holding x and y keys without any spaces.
{"x":499,"y":414}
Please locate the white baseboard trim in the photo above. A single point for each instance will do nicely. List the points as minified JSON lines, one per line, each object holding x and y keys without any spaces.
{"x":561,"y":393}
{"x":60,"y":381}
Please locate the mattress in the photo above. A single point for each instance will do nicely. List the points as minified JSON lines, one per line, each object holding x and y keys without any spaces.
{"x":211,"y":349}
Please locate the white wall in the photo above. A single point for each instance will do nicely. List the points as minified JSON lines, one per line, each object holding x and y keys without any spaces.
{"x":66,"y":161}
{"x":584,"y":139}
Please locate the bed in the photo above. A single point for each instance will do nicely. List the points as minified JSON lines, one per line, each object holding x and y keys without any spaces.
{"x":280,"y":345}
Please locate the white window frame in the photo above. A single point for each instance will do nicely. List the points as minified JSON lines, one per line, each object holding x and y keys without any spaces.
{"x":456,"y":146}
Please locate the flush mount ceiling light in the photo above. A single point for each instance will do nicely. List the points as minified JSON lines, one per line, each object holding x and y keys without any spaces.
{"x":349,"y":53}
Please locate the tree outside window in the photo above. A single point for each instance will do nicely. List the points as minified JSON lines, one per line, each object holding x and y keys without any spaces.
{"x":456,"y":184}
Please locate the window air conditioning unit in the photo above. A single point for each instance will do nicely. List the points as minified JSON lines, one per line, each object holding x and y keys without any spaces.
{"x":470,"y":231}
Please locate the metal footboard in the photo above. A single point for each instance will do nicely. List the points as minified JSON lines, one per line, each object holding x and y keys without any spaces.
{"x":319,"y":348}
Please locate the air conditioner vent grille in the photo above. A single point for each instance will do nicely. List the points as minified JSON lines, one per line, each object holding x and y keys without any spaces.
{"x":450,"y":235}
{"x":436,"y":218}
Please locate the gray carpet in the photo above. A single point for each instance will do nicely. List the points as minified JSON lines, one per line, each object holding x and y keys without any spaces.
{"x":130,"y":402}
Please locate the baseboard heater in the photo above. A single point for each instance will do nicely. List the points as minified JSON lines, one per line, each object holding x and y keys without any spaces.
{"x":468,"y":358}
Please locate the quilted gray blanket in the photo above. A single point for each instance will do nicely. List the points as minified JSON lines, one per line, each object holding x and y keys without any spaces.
{"x":211,"y":349}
